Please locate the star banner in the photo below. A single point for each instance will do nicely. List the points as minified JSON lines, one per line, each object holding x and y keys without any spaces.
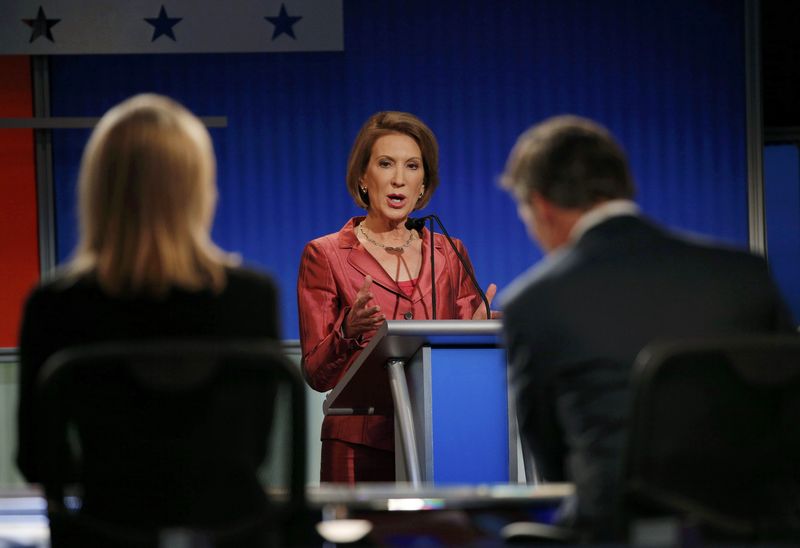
{"x":53,"y":27}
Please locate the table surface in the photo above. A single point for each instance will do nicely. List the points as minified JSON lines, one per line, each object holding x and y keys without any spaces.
{"x":23,"y":516}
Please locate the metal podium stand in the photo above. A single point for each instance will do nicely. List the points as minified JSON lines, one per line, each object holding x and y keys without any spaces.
{"x":445,"y":381}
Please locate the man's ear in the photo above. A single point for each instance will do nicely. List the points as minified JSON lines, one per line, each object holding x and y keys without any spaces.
{"x":541,"y":206}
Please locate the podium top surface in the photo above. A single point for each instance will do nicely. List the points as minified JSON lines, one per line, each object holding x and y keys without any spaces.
{"x":390,"y":496}
{"x":459,"y":328}
{"x":366,"y":381}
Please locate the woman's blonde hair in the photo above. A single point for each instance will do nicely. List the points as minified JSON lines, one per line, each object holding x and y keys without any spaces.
{"x":147,"y":195}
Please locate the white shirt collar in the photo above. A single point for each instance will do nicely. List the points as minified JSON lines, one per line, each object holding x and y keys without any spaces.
{"x":600,"y":213}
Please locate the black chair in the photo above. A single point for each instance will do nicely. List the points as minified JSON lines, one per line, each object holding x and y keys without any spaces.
{"x":714,"y":441}
{"x":162,"y":444}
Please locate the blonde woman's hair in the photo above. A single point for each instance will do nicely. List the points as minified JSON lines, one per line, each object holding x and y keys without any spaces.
{"x":147,"y":195}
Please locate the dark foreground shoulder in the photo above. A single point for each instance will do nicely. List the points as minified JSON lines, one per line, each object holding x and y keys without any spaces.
{"x":250,"y":287}
{"x":537,"y":281}
{"x":252,"y":295}
{"x":728,"y":254}
{"x":248,"y":278}
{"x":62,"y":289}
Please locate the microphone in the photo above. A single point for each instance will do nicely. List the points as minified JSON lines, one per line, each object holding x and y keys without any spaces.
{"x":417,"y":224}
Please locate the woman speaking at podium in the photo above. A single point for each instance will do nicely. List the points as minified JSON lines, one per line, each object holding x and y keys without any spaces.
{"x":373,"y":269}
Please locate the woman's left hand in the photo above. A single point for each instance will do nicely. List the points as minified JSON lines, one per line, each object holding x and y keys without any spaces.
{"x":480,"y":313}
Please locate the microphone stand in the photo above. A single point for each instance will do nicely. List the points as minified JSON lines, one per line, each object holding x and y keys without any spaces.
{"x":464,"y":264}
{"x":433,"y":270}
{"x":420,"y":222}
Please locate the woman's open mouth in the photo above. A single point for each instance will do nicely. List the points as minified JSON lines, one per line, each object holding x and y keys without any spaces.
{"x":396,"y":201}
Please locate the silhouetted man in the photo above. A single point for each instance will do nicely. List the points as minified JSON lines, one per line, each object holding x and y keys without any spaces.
{"x":612,"y":281}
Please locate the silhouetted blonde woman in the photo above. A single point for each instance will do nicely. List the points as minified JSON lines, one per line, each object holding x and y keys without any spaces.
{"x":145,"y":266}
{"x":147,"y":198}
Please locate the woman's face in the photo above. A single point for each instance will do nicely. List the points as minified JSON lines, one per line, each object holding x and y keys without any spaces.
{"x":394,"y":177}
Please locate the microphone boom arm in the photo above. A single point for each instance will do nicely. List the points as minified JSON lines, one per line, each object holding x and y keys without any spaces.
{"x":433,"y":272}
{"x":466,"y":267}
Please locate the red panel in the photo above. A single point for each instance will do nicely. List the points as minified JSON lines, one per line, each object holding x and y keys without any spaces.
{"x":19,"y":246}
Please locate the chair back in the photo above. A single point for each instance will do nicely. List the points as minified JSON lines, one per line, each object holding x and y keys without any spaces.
{"x":156,"y":437}
{"x":715,"y":436}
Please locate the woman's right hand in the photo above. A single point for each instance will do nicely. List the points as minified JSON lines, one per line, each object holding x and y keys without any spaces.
{"x":362,"y":318}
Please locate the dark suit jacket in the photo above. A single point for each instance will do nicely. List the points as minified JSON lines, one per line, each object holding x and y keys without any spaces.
{"x":332,"y":270}
{"x":64,"y":313}
{"x":575,"y":323}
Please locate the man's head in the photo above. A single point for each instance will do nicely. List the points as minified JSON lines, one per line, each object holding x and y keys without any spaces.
{"x":561,"y":168}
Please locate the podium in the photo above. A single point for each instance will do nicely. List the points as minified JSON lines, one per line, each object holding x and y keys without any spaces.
{"x":446,"y":383}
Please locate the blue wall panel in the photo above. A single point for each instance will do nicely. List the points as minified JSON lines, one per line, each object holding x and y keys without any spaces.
{"x":782,"y":204}
{"x":667,"y":78}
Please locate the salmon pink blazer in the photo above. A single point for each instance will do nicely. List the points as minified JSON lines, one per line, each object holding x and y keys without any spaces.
{"x":332,"y":270}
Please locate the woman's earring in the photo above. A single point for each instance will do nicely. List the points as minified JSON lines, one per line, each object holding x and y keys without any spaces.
{"x":420,"y":195}
{"x":364,"y":189}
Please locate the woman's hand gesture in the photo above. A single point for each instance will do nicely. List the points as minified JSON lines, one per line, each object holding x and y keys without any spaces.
{"x":480,"y":312}
{"x":362,"y":318}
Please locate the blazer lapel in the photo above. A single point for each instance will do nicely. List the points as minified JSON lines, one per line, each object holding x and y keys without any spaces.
{"x":360,"y":259}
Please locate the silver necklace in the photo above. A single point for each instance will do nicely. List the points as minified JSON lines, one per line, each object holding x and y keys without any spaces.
{"x":389,"y":248}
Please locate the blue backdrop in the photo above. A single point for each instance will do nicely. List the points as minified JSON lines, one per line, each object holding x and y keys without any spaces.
{"x":666,"y":77}
{"x":782,"y":205}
